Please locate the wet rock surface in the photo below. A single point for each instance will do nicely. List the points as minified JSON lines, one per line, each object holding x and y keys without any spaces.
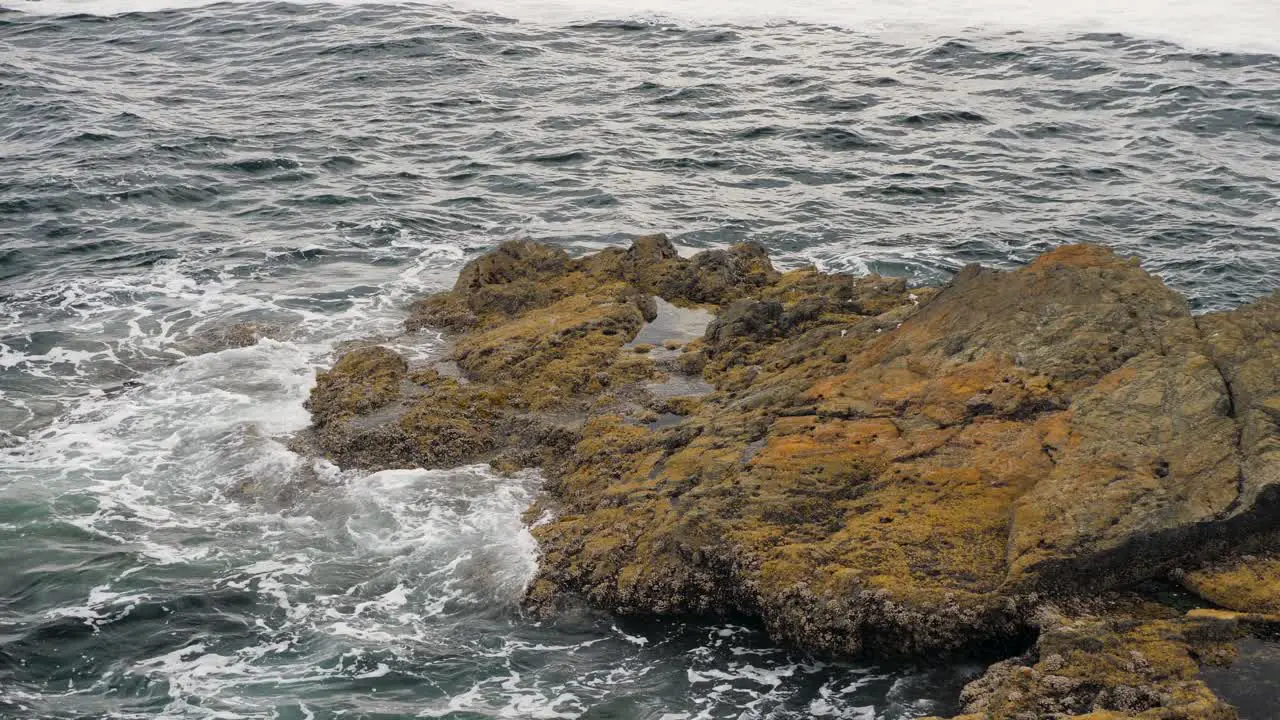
{"x":1247,"y":583}
{"x":235,"y":335}
{"x":866,"y":467}
{"x":1137,"y":661}
{"x":1252,"y":682}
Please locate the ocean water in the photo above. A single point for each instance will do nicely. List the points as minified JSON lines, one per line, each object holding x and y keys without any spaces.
{"x":171,"y":168}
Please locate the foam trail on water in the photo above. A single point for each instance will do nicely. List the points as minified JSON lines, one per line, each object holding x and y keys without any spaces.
{"x":188,"y":474}
{"x":185,"y":474}
{"x":1230,"y":25}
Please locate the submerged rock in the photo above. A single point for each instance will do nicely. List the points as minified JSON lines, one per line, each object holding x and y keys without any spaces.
{"x":235,"y":335}
{"x":876,"y":469}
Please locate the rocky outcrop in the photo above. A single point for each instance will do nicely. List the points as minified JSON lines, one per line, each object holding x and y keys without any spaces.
{"x":1243,"y":583}
{"x":537,"y":351}
{"x":875,"y":468}
{"x":1139,"y":660}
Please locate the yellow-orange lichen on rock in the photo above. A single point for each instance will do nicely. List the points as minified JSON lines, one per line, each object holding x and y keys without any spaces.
{"x":362,"y":381}
{"x":878,"y":469}
{"x":871,"y":478}
{"x":1136,"y":663}
{"x":1245,"y":583}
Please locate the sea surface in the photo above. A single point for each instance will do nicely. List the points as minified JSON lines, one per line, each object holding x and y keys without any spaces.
{"x":168,"y":169}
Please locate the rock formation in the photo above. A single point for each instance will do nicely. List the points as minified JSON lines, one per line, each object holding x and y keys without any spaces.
{"x":866,"y":467}
{"x":1139,"y":661}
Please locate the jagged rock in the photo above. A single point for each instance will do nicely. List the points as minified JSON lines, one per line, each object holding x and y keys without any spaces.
{"x":1165,"y":457}
{"x":505,"y":281}
{"x":1139,"y":662}
{"x":879,"y":469}
{"x":1056,"y":427}
{"x":538,"y":351}
{"x":362,"y":381}
{"x":718,"y":276}
{"x":749,"y":319}
{"x":1245,"y":346}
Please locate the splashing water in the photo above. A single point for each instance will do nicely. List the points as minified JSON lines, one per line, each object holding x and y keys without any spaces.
{"x":311,"y":168}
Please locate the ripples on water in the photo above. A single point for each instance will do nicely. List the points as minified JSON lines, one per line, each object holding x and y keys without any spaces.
{"x":313,"y":167}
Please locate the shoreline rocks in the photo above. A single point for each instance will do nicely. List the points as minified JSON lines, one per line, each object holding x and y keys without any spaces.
{"x":875,"y":469}
{"x":1137,"y":661}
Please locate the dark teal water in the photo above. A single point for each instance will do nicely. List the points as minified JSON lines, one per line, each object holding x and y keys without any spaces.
{"x":313,"y":167}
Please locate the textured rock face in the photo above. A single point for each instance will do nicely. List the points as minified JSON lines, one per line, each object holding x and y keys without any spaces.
{"x":878,"y":469}
{"x":1242,"y":583}
{"x":1137,"y":662}
{"x":539,"y":339}
{"x":1245,"y":346}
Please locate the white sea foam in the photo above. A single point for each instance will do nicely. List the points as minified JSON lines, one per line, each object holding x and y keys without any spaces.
{"x":1238,"y":25}
{"x":182,"y":470}
{"x":340,"y":579}
{"x":428,"y":542}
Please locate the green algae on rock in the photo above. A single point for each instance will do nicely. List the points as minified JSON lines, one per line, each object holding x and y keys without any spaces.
{"x":875,"y":468}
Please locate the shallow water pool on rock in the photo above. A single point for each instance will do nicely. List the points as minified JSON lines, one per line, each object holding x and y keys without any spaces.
{"x":672,"y":323}
{"x":1252,"y":682}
